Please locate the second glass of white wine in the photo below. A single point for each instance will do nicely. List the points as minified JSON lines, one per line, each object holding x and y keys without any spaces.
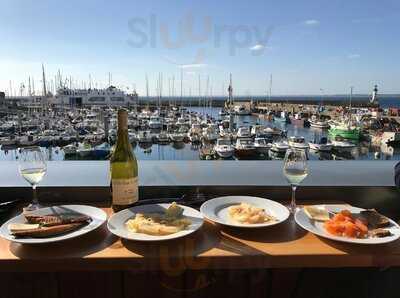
{"x":32,"y":167}
{"x":295,"y":170}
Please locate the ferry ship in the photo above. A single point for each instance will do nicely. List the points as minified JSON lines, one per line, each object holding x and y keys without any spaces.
{"x":111,"y":96}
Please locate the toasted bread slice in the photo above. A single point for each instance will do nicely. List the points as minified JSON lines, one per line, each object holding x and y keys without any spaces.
{"x":375,"y":220}
{"x":43,"y":232}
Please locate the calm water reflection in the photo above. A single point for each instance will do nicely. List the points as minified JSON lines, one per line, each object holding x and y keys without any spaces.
{"x":182,"y":151}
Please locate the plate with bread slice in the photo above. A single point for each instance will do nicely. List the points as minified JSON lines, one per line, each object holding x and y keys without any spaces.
{"x":348,"y":224}
{"x":53,"y":224}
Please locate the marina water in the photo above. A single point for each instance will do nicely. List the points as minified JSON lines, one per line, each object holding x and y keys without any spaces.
{"x":188,"y":151}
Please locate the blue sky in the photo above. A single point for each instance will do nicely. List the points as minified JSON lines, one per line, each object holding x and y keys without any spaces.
{"x":306,"y":45}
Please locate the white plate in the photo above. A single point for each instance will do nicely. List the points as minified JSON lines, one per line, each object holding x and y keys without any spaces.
{"x":98,"y":218}
{"x":117,"y":223}
{"x":317,"y":228}
{"x":216,"y":210}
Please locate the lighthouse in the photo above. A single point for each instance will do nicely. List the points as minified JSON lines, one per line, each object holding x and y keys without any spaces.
{"x":374,"y":99}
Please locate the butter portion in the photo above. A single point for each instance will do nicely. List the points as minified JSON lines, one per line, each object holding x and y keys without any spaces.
{"x":318,"y":213}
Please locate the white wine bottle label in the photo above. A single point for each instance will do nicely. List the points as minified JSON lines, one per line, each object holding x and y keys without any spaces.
{"x":125,"y":191}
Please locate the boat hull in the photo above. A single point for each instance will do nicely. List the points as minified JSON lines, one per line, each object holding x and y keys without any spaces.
{"x":320,"y":147}
{"x":225,"y":153}
{"x":245,"y":153}
{"x":100,"y":154}
{"x":262,"y":150}
{"x":352,"y":134}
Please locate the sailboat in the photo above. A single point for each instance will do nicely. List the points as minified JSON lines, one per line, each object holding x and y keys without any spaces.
{"x":346,"y":128}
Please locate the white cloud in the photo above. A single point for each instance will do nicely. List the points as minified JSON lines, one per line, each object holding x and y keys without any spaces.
{"x":311,"y":22}
{"x":257,"y":47}
{"x":194,"y":65}
{"x":353,"y":56}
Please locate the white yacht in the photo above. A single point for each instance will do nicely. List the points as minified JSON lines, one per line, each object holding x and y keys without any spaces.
{"x":262,"y":145}
{"x":70,"y":150}
{"x":178,"y":136}
{"x":181,"y":121}
{"x":323,"y":145}
{"x":84,"y":150}
{"x":243,"y":132}
{"x":280,"y":146}
{"x":155,"y":122}
{"x":224,"y":148}
{"x":341,"y":144}
{"x":145,"y":137}
{"x":298,"y":143}
{"x":210,"y":133}
{"x":241,"y":111}
{"x":225,"y":133}
{"x":245,"y":147}
{"x":261,"y":130}
{"x":162,"y":138}
{"x":318,"y":123}
{"x":195,"y":133}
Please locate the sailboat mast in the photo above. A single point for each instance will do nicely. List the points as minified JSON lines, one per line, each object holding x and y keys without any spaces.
{"x":147,"y":87}
{"x":181,"y":85}
{"x":270,"y":89}
{"x":206,"y":98}
{"x":199,"y":91}
{"x":351,"y":95}
{"x":159,"y":89}
{"x":173,"y":89}
{"x":230,"y":90}
{"x":29,"y":87}
{"x":44,"y":82}
{"x":211,"y":97}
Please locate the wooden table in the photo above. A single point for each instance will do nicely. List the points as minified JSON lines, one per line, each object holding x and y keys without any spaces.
{"x":269,"y":262}
{"x":212,"y":247}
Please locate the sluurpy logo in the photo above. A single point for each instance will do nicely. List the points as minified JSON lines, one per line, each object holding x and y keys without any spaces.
{"x":183,"y":33}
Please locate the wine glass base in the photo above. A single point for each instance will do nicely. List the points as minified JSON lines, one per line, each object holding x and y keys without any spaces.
{"x":292,"y":210}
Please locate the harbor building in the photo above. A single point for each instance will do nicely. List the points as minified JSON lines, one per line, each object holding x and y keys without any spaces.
{"x":111,"y":96}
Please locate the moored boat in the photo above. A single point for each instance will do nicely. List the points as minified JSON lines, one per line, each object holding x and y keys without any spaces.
{"x":323,"y":144}
{"x":298,"y":143}
{"x":262,"y":145}
{"x":101,"y":151}
{"x":280,"y":146}
{"x":224,"y":148}
{"x":321,"y":124}
{"x":84,"y":150}
{"x":70,"y":150}
{"x":341,"y":144}
{"x":245,"y":147}
{"x":345,"y":130}
{"x":243,"y":132}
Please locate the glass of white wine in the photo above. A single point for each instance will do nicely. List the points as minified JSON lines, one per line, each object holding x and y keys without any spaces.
{"x":32,"y":167}
{"x":295,"y":170}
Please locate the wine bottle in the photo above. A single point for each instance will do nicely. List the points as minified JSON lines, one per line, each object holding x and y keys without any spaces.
{"x":123,"y":168}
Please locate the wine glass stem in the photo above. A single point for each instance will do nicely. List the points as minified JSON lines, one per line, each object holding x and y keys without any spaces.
{"x":35,"y":201}
{"x":293,"y":202}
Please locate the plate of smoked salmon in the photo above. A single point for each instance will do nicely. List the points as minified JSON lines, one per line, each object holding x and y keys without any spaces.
{"x":348,"y":224}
